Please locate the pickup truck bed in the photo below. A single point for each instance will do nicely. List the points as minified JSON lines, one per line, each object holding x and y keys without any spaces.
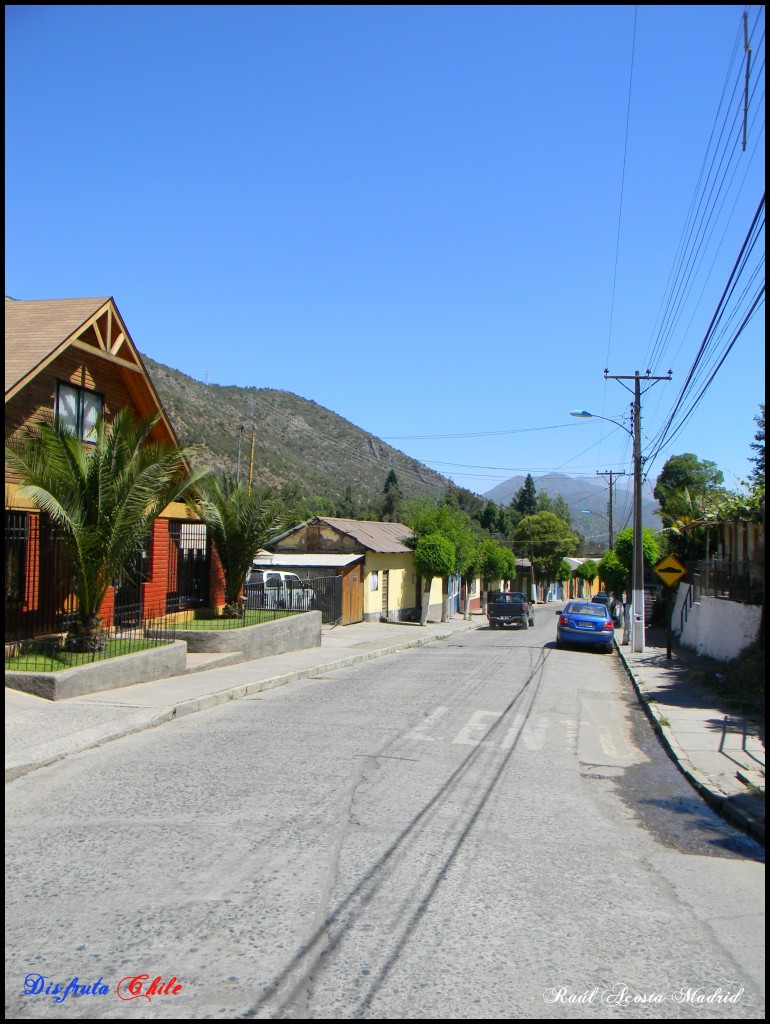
{"x":508,"y":608}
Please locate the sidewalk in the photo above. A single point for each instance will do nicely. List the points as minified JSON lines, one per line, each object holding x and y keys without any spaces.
{"x":722,"y":755}
{"x":39,"y":732}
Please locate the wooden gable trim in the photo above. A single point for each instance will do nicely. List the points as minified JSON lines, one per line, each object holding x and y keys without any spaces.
{"x":109,"y":340}
{"x":106,"y":354}
{"x":57,"y":351}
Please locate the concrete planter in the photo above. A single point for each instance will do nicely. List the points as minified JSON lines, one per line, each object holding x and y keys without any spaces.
{"x":293,"y":633}
{"x":110,"y":674}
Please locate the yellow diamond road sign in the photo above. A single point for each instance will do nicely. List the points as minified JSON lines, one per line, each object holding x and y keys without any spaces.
{"x":670,"y":571}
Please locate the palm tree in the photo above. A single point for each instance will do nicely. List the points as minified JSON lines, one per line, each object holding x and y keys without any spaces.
{"x":103,"y":496}
{"x":240,"y":520}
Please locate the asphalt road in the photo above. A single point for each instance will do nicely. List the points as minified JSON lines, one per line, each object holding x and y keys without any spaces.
{"x":484,"y":827}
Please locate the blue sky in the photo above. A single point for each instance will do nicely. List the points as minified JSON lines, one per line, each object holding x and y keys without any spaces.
{"x":432,"y":220}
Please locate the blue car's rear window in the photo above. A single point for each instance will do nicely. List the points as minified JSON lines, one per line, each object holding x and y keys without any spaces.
{"x":597,"y":610}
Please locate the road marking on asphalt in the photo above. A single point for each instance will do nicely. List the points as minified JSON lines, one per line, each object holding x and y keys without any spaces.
{"x":420,"y":732}
{"x":472,"y":734}
{"x":531,"y":733}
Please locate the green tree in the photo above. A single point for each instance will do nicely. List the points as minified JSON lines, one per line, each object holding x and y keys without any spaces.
{"x":347,"y":508}
{"x":433,"y":556}
{"x":689,"y":492}
{"x":104,"y":497}
{"x":545,"y":539}
{"x":240,"y":521}
{"x":463,"y":499}
{"x":525,"y":499}
{"x":318,"y":505}
{"x":686,"y":480}
{"x":613,"y":573}
{"x":487,"y":517}
{"x":563,"y":572}
{"x":757,"y":475}
{"x":624,"y":547}
{"x":588,"y":571}
{"x":392,"y":499}
{"x":557,"y":505}
{"x":509,"y":565}
{"x":493,"y":563}
{"x":448,"y":520}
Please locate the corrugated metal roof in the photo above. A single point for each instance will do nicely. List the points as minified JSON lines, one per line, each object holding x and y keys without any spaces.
{"x":384,"y":537}
{"x":34,"y":329}
{"x":305,"y":561}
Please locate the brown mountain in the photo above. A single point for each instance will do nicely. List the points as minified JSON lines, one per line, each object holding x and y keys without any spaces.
{"x":294,"y":440}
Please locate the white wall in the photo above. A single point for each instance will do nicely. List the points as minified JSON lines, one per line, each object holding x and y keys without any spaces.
{"x":719,"y":629}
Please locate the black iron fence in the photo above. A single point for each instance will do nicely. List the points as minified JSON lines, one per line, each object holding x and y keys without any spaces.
{"x":741,"y":581}
{"x":323,"y":594}
{"x":50,"y":653}
{"x":41,"y":596}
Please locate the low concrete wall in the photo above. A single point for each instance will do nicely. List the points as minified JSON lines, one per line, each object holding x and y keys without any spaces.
{"x":293,"y":633}
{"x":714,"y":627}
{"x":110,"y":674}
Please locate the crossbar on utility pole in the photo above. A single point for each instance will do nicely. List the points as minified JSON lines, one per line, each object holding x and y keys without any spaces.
{"x":637,"y":575}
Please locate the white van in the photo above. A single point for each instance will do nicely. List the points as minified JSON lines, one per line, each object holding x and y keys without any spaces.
{"x":272,"y":588}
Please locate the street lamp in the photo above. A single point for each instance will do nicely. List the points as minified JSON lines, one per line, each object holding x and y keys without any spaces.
{"x":637,"y":574}
{"x":590,"y":512}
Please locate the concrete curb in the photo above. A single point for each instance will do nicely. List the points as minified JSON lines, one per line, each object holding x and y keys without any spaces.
{"x":87,"y":742}
{"x":741,"y":817}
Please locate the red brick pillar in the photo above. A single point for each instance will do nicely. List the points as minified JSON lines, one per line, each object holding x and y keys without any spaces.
{"x":155,"y":589}
{"x":108,"y":607}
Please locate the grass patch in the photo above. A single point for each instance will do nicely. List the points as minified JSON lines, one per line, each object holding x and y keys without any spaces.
{"x":253,"y":617}
{"x":54,"y":659}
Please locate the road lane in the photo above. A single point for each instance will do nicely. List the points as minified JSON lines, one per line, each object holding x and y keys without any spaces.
{"x":442,"y":832}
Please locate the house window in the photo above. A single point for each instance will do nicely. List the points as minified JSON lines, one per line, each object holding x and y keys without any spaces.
{"x":375,"y":578}
{"x":77,"y":410}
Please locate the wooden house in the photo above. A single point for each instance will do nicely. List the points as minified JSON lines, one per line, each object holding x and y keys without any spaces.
{"x":75,"y":360}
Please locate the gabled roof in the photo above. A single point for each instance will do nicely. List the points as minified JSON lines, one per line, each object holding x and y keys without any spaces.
{"x":37,"y":331}
{"x":385,"y":538}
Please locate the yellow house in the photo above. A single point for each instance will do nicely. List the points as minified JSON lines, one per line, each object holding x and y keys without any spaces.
{"x":374,"y":565}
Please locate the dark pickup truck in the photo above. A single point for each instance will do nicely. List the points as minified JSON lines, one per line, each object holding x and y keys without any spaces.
{"x":508,"y":607}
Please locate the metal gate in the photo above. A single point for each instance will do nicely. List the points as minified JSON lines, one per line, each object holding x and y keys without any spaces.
{"x":188,"y":566}
{"x":328,"y":598}
{"x":127,"y":609}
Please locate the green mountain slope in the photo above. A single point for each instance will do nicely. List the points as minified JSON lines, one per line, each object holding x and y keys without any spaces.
{"x":294,"y":440}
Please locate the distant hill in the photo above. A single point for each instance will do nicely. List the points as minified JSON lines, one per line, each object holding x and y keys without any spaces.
{"x":295,"y":440}
{"x":580,"y":494}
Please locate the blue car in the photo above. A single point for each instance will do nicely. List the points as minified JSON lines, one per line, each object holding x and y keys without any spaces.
{"x":585,"y":622}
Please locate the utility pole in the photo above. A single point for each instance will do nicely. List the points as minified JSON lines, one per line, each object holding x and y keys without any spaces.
{"x":241,"y":430}
{"x":251,"y":458}
{"x":637,"y":575}
{"x":610,"y":473}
